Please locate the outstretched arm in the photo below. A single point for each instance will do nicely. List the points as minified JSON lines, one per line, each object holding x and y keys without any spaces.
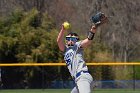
{"x":86,"y":42}
{"x":98,"y":20}
{"x":60,"y":39}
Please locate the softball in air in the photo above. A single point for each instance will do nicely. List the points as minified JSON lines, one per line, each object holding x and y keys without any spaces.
{"x":66,"y":25}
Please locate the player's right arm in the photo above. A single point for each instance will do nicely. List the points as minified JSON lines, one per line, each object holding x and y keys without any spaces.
{"x":60,"y":39}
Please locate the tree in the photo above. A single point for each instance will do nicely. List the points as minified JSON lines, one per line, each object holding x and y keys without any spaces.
{"x":23,"y":41}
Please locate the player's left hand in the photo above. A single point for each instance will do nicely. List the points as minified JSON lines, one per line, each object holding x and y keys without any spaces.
{"x":99,"y":19}
{"x":93,"y":29}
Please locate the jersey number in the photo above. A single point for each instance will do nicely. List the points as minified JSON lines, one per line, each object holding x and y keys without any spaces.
{"x":68,"y":62}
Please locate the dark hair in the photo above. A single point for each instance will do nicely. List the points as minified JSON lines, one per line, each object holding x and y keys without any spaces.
{"x":73,"y":34}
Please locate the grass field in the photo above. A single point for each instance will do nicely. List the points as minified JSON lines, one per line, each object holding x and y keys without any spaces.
{"x":64,"y":91}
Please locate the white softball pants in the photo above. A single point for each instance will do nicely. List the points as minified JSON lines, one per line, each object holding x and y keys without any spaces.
{"x":84,"y":84}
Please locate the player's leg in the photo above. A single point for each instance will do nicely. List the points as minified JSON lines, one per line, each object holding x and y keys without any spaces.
{"x":84,"y":86}
{"x":93,"y":85}
{"x":84,"y":83}
{"x":75,"y":90}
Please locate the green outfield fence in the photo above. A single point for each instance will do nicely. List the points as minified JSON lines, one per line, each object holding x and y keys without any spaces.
{"x":50,"y":76}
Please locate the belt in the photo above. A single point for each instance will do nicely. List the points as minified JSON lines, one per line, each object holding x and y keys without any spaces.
{"x":79,"y":73}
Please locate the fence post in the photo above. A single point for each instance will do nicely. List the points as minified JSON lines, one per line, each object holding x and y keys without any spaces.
{"x":134,"y":83}
{"x":43,"y":78}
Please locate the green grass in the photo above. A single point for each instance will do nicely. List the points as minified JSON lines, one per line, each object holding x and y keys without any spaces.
{"x":64,"y":91}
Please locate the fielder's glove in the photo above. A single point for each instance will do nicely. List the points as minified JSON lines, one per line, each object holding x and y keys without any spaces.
{"x":99,"y":19}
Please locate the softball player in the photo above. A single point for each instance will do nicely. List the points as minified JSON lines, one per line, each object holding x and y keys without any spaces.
{"x":73,"y":56}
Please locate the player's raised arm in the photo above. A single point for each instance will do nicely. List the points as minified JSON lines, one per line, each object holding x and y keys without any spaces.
{"x":97,"y":20}
{"x":86,"y":42}
{"x":60,"y":39}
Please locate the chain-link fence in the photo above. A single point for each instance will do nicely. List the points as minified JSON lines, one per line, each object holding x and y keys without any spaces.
{"x":46,"y":77}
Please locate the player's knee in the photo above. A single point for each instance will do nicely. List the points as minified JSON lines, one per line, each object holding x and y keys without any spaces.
{"x":74,"y":90}
{"x":87,"y":91}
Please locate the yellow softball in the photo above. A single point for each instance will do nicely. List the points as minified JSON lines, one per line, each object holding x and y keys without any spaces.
{"x":66,"y":25}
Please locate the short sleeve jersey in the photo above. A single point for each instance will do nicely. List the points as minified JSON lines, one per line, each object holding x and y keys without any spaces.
{"x":73,"y":57}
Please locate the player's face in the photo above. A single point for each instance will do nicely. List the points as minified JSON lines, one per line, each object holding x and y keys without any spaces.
{"x":71,"y":40}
